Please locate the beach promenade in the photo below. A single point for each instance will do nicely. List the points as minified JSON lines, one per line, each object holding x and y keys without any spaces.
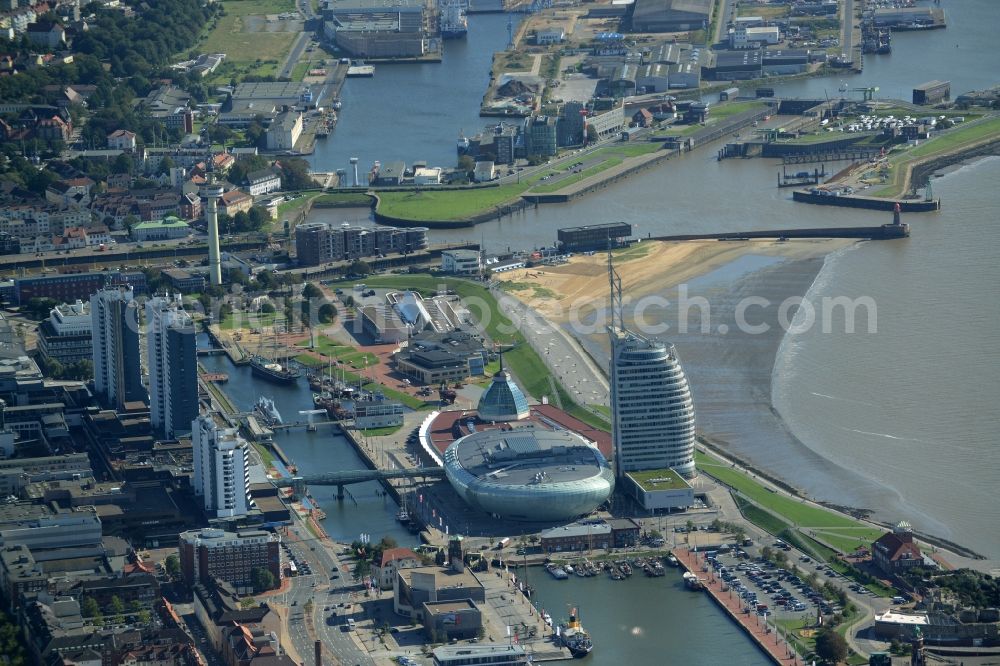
{"x":775,"y":647}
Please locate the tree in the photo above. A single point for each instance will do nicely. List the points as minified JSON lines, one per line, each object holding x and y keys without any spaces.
{"x":592,"y":135}
{"x":117,"y":608}
{"x":173,"y":566}
{"x":830,"y":646}
{"x":311,"y":291}
{"x":466,"y":163}
{"x":362,"y":568}
{"x":767,"y":552}
{"x":359,"y":267}
{"x":327,"y":313}
{"x":89,"y":607}
{"x":261,"y":579}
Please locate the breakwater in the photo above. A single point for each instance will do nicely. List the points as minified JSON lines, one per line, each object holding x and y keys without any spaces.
{"x":870,"y":203}
{"x":884,"y":232}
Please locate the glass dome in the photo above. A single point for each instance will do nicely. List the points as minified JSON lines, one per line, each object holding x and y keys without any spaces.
{"x":503,"y":400}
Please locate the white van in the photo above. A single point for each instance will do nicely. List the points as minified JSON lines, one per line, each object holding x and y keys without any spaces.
{"x":350,"y":623}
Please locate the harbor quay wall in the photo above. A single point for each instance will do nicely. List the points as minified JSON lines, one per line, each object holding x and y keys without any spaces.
{"x":868,"y":233}
{"x":767,"y":640}
{"x":609,"y":177}
{"x":870,"y":203}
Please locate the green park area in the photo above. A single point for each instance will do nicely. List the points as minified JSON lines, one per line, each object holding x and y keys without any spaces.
{"x":950,"y":141}
{"x":253,"y":45}
{"x":239,"y":319}
{"x":519,"y":356}
{"x":342,"y":354}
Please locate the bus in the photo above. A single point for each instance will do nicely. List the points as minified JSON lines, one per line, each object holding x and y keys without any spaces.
{"x":291,"y":570}
{"x":503,"y":543}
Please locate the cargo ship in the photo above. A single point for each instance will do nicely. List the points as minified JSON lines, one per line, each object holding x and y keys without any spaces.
{"x":454,"y":24}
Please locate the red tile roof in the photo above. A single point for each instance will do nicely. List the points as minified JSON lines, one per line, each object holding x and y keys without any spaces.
{"x":394,"y":554}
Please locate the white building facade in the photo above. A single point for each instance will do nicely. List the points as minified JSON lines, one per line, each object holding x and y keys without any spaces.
{"x":221,"y":468}
{"x":651,"y":405}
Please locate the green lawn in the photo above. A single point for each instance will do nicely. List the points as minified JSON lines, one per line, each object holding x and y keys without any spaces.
{"x":795,"y":511}
{"x":586,"y":173}
{"x":343,"y":353}
{"x":344,"y":199}
{"x":447,"y":205}
{"x":848,"y":539}
{"x":381,"y":432}
{"x":940,"y":144}
{"x":299,"y":71}
{"x":246,"y":52}
{"x":240,"y":319}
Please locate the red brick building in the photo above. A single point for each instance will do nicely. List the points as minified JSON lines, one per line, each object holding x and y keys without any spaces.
{"x":894,"y":552}
{"x":228,"y":556}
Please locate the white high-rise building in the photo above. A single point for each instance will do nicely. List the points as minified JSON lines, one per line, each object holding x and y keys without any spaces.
{"x":173,"y":366}
{"x":651,"y":405}
{"x":115,"y":330}
{"x":221,"y":467}
{"x":651,"y":408}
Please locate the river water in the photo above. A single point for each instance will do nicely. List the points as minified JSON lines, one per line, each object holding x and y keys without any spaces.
{"x":902,"y":421}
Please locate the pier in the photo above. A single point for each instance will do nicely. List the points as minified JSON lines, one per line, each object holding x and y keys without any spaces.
{"x":801,"y":178}
{"x":766,"y":637}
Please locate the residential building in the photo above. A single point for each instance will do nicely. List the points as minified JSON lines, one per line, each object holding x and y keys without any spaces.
{"x":190,"y":206}
{"x":895,"y":552}
{"x":167,"y":228}
{"x":121,"y":140}
{"x":47,"y":34}
{"x":319,"y":243}
{"x":221,"y":467}
{"x":66,"y":335}
{"x":263,"y":182}
{"x":229,"y":556}
{"x":72,"y":192}
{"x":173,"y":366}
{"x":115,"y":325}
{"x":484,"y":171}
{"x":392,"y":560}
{"x":235,"y":201}
{"x":461,"y":262}
{"x":67,"y":287}
{"x":284,"y":131}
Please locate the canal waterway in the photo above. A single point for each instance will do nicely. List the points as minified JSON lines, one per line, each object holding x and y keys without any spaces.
{"x":317,"y":452}
{"x":646,"y":620}
{"x":919,"y":431}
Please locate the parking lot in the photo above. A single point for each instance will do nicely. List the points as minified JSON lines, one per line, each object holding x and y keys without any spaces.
{"x":768,"y":589}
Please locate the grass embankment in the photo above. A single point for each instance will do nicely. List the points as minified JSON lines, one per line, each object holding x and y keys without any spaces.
{"x":521,"y":358}
{"x":947,"y":142}
{"x":342,"y":199}
{"x":266,"y":457}
{"x":240,"y":319}
{"x":253,"y":45}
{"x":809,"y":528}
{"x":717,"y":113}
{"x":381,"y":432}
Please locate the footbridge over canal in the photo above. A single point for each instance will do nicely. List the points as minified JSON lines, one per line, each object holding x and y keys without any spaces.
{"x":298,"y":484}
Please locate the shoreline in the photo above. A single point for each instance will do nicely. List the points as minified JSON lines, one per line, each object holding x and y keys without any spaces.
{"x":689,"y":264}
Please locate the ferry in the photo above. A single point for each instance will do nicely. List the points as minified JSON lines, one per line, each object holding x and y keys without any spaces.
{"x":266,"y":410}
{"x":574,"y":637}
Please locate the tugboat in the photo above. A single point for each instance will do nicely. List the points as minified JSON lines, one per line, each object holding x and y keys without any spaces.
{"x":273,"y":371}
{"x":574,"y":637}
{"x":267,"y":411}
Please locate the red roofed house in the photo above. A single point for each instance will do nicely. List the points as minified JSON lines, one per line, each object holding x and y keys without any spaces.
{"x":233,"y":202}
{"x":895,"y":552}
{"x":53,"y":128}
{"x":121,"y":140}
{"x":392,"y":561}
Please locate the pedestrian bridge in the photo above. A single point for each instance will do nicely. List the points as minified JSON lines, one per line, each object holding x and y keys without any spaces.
{"x":352,"y":476}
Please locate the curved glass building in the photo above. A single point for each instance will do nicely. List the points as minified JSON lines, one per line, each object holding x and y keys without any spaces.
{"x":652,"y":406}
{"x":528,"y":473}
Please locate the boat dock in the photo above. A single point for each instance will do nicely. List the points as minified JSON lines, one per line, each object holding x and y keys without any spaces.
{"x":775,"y":647}
{"x":359,"y":71}
{"x":233,"y":350}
